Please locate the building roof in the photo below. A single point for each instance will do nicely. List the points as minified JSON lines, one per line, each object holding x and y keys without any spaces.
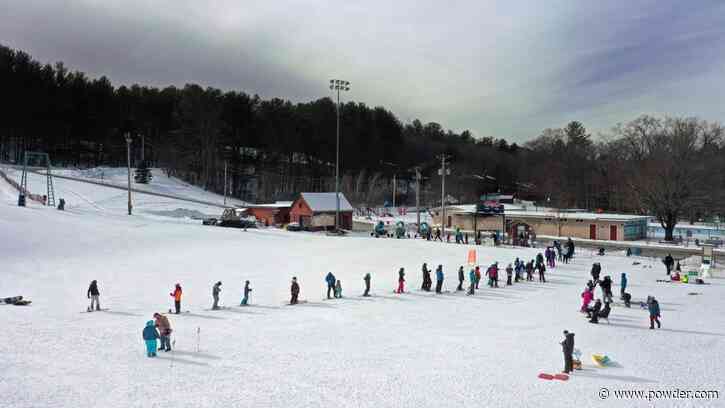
{"x":324,"y":202}
{"x":514,"y":210}
{"x":277,"y":204}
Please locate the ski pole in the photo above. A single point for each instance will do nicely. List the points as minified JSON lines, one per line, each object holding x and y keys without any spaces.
{"x":198,"y":338}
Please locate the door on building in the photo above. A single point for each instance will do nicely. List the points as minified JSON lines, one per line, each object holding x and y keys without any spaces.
{"x":449,"y":221}
{"x":592,"y":231}
{"x":613,"y":232}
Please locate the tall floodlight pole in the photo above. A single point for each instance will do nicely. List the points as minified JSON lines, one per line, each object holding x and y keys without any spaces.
{"x":417,"y":196}
{"x":128,"y":167}
{"x":225,"y":183}
{"x":338,"y":85}
{"x":443,"y":171}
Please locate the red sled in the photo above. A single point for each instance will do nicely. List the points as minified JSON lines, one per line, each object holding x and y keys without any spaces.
{"x":561,"y":377}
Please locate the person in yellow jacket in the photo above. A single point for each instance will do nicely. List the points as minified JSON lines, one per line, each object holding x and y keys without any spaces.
{"x":176,"y":294}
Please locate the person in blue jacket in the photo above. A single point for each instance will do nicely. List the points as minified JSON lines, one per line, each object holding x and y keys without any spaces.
{"x":149,"y":336}
{"x":654,"y":312}
{"x":247,"y":291}
{"x":472,"y":278}
{"x":439,"y":279}
{"x":622,"y":285}
{"x":330,"y":279}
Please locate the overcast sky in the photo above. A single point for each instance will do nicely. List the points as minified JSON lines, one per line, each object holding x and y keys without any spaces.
{"x":499,"y":68}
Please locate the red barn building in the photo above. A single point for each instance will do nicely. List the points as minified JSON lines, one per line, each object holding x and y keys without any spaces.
{"x":271,"y":214}
{"x":317,"y":211}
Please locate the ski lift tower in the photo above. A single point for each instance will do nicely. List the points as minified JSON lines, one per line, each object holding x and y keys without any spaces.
{"x":50,"y":196}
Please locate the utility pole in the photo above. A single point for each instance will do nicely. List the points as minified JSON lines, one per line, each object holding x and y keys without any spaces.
{"x":417,"y":196}
{"x":394,"y":185}
{"x":443,"y":171}
{"x":338,"y":85}
{"x":128,"y":167}
{"x":225,"y":183}
{"x":143,"y":147}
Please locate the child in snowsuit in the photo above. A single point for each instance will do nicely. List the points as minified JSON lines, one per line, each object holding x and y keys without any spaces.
{"x":426,"y":279}
{"x":472,"y":278}
{"x":568,"y":347}
{"x":93,"y":294}
{"x":330,"y":279}
{"x":541,"y":269}
{"x":439,"y":279}
{"x":294,"y":291}
{"x":460,"y":279}
{"x":622,"y":285}
{"x":150,"y":335}
{"x":606,"y":286}
{"x":587,"y":297}
{"x":596,"y":270}
{"x":367,"y":284}
{"x":401,"y":281}
{"x":247,"y":291}
{"x":654,"y":312}
{"x":594,"y":312}
{"x":164,"y":327}
{"x":492,"y":273}
{"x":215,"y":290}
{"x":338,"y":289}
{"x":176,"y":294}
{"x":509,"y":274}
{"x":530,"y":271}
{"x":478,"y":275}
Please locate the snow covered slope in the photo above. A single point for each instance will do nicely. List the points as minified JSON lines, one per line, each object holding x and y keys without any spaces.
{"x":411,"y":350}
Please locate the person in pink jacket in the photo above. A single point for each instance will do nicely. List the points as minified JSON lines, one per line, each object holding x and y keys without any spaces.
{"x":587,"y":297}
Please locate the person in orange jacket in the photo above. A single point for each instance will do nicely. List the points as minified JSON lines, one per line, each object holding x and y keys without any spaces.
{"x":177,"y":298}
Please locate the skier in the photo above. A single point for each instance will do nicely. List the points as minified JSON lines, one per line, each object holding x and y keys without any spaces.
{"x":472,"y":278}
{"x":492,"y":273}
{"x":426,"y":279}
{"x":530,"y":270}
{"x":509,"y":273}
{"x":594,"y":312}
{"x":438,"y":235}
{"x":439,"y":279}
{"x":247,"y":291}
{"x":669,"y":263}
{"x":622,"y":285}
{"x":568,"y":347}
{"x":176,"y":294}
{"x":654,"y":312}
{"x":295,"y":291}
{"x":587,"y":297}
{"x":164,"y":327}
{"x":330,"y":279}
{"x":478,"y":275}
{"x":215,"y":295}
{"x":338,"y":289}
{"x":606,"y":286}
{"x":367,"y":284}
{"x":517,"y":270}
{"x":541,"y":269}
{"x":596,"y":270}
{"x":93,"y":294}
{"x":539,"y":259}
{"x":401,"y":281}
{"x":461,"y":278}
{"x":150,"y":335}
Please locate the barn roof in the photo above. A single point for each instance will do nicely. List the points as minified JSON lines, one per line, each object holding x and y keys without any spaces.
{"x":323,"y":202}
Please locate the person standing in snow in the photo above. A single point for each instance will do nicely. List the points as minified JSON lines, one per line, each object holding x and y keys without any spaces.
{"x":622,"y":285}
{"x":472,"y":278}
{"x":461,"y":278}
{"x":94,"y":294}
{"x":338,"y":289}
{"x":401,"y":281}
{"x":330,"y":279}
{"x":215,"y":295}
{"x":654,"y":312}
{"x":606,"y":285}
{"x":176,"y":294}
{"x":438,"y":235}
{"x":164,"y":327}
{"x":478,"y":275}
{"x":492,"y":273}
{"x":294,"y":291}
{"x":542,"y":270}
{"x":509,"y":274}
{"x":568,"y":347}
{"x":426,"y":278}
{"x":247,"y":291}
{"x":669,"y":263}
{"x":149,"y":335}
{"x":439,"y":279}
{"x":367,"y":284}
{"x":594,"y":313}
{"x":596,"y":270}
{"x":530,"y":271}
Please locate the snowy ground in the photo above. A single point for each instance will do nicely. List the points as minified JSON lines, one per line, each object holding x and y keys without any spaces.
{"x":413,"y":350}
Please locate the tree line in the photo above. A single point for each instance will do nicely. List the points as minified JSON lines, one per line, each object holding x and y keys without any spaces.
{"x":273,"y":148}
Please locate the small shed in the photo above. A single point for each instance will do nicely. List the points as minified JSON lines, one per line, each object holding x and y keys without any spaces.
{"x":316,"y":211}
{"x":271,"y":214}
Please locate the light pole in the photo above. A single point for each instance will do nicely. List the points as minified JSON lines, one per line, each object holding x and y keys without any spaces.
{"x":338,"y":85}
{"x":128,"y":167}
{"x":443,"y":172}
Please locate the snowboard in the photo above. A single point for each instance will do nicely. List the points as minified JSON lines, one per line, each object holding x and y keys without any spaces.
{"x":93,"y":310}
{"x":171,"y":311}
{"x":560,"y":377}
{"x":299,"y":302}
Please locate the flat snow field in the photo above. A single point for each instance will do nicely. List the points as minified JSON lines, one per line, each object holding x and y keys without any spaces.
{"x":411,"y":350}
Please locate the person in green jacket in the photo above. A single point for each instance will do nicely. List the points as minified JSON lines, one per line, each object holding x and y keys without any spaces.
{"x":472,"y":279}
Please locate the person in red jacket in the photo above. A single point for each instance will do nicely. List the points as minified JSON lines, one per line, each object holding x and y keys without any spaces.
{"x":176,"y":294}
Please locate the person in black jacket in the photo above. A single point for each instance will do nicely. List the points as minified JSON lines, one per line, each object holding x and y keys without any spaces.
{"x":669,"y":263}
{"x":367,"y":284}
{"x":461,"y":278}
{"x":595,"y":312}
{"x":596,"y":270}
{"x":427,"y":281}
{"x":93,"y":294}
{"x":295,"y":291}
{"x":606,"y":286}
{"x":568,"y":347}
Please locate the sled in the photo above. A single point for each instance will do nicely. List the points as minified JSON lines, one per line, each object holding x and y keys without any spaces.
{"x":560,"y":377}
{"x":601,"y":360}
